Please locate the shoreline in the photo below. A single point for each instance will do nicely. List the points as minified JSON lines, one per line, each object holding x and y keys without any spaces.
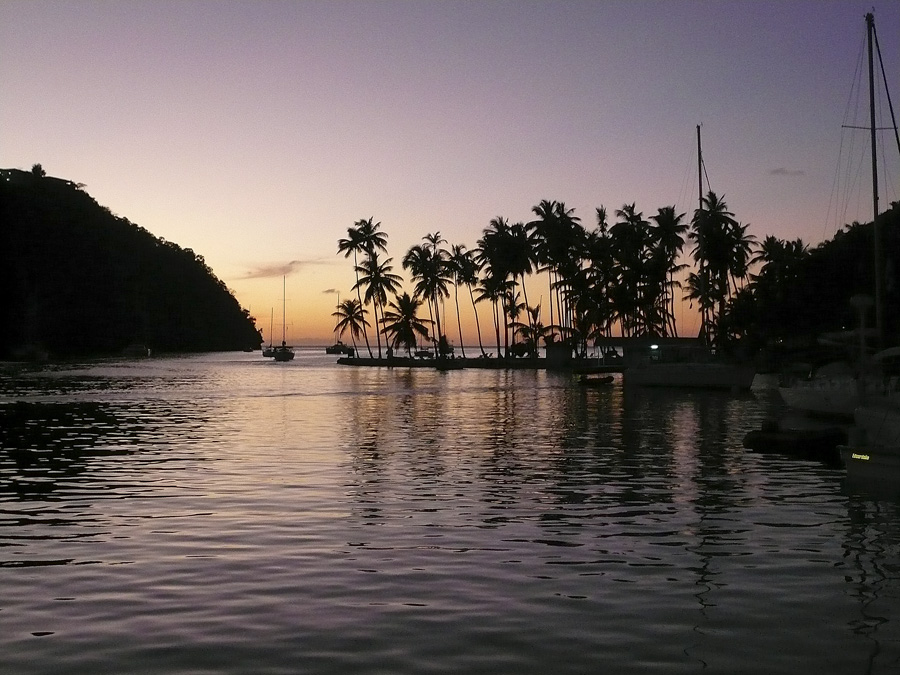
{"x":577,"y":365}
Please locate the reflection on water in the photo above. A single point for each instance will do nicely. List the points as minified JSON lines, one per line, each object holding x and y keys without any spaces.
{"x":223,"y":513}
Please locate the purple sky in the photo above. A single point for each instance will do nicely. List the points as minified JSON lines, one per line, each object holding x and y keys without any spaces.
{"x":255,"y":133}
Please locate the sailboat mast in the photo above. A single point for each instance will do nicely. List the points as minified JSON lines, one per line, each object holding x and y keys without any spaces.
{"x":879,"y":309}
{"x":699,"y":168}
{"x":283,"y":309}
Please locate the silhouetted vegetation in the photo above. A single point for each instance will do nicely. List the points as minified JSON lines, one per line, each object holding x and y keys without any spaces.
{"x":620,"y":279}
{"x":798,"y":293}
{"x":78,"y":280}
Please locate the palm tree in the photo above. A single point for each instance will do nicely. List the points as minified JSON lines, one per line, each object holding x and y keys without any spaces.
{"x":712,"y":229}
{"x":456,"y":263}
{"x":669,"y":239}
{"x":363,"y":237}
{"x":354,"y":244}
{"x":533,"y":331}
{"x":520,"y":255}
{"x":351,"y":317}
{"x":373,"y":240}
{"x":493,"y":288}
{"x":429,"y":268}
{"x":466,"y":269}
{"x":556,"y":235}
{"x":742,"y":245}
{"x":379,"y":280}
{"x":630,"y":240}
{"x":401,"y":324}
{"x":780,"y":261}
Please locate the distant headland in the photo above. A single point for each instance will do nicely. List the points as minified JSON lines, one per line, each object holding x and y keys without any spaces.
{"x":80,"y":281}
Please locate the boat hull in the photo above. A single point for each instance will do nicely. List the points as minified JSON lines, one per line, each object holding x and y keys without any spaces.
{"x":880,"y":424}
{"x":691,"y":375}
{"x":830,"y":398}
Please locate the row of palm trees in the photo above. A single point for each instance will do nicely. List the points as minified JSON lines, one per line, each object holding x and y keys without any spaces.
{"x":618,"y":277}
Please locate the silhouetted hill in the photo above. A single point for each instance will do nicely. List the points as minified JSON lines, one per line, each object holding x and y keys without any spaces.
{"x":78,"y":280}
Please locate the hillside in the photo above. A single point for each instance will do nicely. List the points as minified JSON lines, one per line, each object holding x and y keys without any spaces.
{"x":78,"y":280}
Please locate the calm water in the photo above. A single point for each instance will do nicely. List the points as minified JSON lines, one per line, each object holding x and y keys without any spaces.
{"x":226,"y":514}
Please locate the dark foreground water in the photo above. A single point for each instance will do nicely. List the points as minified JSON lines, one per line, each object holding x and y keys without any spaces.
{"x":227,"y":514}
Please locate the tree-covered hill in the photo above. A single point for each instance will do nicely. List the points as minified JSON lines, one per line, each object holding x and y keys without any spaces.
{"x":799,"y":293}
{"x":78,"y":280}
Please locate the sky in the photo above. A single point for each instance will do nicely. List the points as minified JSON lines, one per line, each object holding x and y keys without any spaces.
{"x":256,"y":132}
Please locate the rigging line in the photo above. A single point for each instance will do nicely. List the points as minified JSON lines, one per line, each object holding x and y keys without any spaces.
{"x":851,"y":113}
{"x":835,"y":188}
{"x":885,"y":173}
{"x":687,"y":182}
{"x":708,"y":186}
{"x":855,"y":84}
{"x":886,"y":90}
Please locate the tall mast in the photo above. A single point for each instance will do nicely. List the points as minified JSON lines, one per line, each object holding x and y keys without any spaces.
{"x":699,"y":168}
{"x":879,"y":309}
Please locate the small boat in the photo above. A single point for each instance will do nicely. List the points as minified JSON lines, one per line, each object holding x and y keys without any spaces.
{"x":603,"y":381}
{"x":443,"y":363}
{"x":340,"y":348}
{"x":800,"y":439}
{"x":136,"y":351}
{"x":269,"y":352}
{"x":874,"y":460}
{"x":283,"y":352}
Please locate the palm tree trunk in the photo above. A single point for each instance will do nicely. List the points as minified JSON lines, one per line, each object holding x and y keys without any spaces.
{"x":505,"y":328}
{"x":559,"y":311}
{"x":477,"y":322}
{"x":550,"y":282}
{"x":462,"y":348}
{"x":527,"y":313}
{"x":497,"y":328}
{"x":359,"y":296}
{"x":377,"y":322}
{"x":437,"y":314}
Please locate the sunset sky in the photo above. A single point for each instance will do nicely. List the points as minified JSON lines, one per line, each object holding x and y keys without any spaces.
{"x":257,"y":132}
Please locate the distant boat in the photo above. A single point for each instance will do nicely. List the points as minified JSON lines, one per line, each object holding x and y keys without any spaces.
{"x":269,"y":351}
{"x":283,"y":352}
{"x":340,"y":348}
{"x":136,"y":351}
{"x":601,"y":381}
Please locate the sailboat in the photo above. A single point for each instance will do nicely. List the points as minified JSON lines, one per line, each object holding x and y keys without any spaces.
{"x":873,"y":449}
{"x":339,"y":347}
{"x":283,"y":352}
{"x":683,"y":362}
{"x":269,"y":351}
